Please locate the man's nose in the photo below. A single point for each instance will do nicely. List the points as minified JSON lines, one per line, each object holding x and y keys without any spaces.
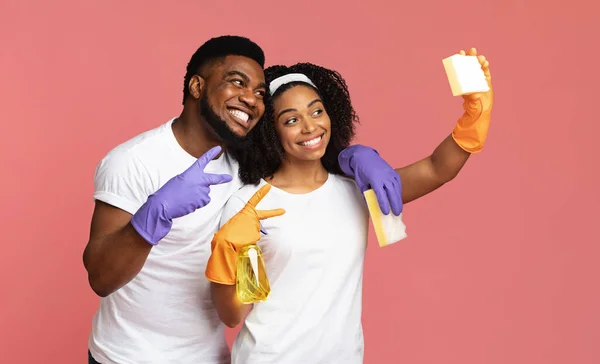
{"x":249,"y":98}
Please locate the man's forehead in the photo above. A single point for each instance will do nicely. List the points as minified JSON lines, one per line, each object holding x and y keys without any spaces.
{"x":242,"y":64}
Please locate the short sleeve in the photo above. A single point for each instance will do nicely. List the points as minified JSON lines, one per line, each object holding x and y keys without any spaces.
{"x":121,"y":180}
{"x":234,"y":205}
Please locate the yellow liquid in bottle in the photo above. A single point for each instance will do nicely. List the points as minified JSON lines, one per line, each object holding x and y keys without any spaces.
{"x":252,"y":284}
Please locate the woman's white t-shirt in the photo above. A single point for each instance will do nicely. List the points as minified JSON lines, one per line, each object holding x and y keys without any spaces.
{"x":314,"y":256}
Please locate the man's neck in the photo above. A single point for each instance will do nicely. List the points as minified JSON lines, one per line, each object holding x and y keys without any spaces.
{"x":193,"y":134}
{"x":299,"y":176}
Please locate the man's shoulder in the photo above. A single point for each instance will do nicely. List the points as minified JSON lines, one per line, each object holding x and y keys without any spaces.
{"x":134,"y":159}
{"x":148,"y":140}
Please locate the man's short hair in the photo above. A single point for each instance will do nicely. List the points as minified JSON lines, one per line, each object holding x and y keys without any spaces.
{"x":217,"y":49}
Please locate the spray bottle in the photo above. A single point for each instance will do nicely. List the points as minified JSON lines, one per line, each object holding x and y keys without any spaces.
{"x":252,"y":283}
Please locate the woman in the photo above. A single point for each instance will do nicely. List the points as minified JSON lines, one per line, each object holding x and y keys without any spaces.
{"x":314,"y":253}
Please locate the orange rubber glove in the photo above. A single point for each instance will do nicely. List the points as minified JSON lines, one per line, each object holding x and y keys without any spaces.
{"x":472,"y":128}
{"x":241,"y":230}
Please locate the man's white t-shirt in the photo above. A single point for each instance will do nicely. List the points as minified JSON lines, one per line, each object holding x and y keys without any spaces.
{"x":165,"y":314}
{"x":314,"y":256}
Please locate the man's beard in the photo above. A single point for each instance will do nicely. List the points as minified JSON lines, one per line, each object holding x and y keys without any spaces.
{"x":234,"y":143}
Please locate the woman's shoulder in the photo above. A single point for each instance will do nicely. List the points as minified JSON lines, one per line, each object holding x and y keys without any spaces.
{"x":348,"y":191}
{"x":238,"y":200}
{"x":345,"y":183}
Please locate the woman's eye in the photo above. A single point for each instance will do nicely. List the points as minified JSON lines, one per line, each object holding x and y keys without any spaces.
{"x":317,"y":112}
{"x":289,"y":121}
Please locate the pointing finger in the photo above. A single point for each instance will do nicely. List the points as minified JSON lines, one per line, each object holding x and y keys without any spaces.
{"x":258,"y":196}
{"x":217,"y":179}
{"x":208,"y":156}
{"x":265,"y":214}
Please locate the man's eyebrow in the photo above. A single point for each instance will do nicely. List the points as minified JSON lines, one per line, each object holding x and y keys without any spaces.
{"x":238,"y":73}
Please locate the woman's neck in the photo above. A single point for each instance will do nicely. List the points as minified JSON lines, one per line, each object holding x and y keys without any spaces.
{"x":299,"y":176}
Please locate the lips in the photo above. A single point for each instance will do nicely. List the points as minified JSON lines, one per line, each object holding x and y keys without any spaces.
{"x":312,"y":142}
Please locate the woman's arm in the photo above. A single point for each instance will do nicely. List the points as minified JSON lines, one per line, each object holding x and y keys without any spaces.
{"x":231,"y":311}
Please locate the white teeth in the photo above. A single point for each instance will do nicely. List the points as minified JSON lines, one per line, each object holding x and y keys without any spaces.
{"x":311,"y":142}
{"x":240,"y":114}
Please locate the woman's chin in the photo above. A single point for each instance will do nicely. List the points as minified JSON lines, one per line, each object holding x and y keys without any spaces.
{"x":312,"y":156}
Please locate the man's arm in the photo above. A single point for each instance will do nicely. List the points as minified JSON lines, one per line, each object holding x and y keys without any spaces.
{"x":427,"y":175}
{"x":231,"y":311}
{"x":393,"y":187}
{"x":119,"y":241}
{"x":115,"y":253}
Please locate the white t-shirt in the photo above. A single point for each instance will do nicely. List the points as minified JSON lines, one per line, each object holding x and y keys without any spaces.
{"x":314,"y":256}
{"x":165,"y":314}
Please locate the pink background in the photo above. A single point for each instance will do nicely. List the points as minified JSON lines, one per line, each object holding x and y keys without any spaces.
{"x":499,"y":266}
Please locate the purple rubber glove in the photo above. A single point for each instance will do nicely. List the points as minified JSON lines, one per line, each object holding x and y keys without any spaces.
{"x":371,"y":171}
{"x":181,"y":195}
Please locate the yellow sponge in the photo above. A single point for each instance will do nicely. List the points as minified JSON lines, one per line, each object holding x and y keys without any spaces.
{"x":390,"y":228}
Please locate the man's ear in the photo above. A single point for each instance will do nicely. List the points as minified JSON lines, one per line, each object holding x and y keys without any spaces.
{"x":196,"y":86}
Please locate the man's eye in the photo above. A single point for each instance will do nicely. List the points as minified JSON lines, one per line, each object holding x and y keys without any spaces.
{"x":238,"y":82}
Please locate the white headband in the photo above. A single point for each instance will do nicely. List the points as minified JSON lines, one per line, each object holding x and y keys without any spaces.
{"x":290,"y":77}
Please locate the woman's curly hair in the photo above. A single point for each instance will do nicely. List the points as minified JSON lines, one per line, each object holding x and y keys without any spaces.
{"x":265,"y":154}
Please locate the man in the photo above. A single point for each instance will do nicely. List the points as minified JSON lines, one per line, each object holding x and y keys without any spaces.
{"x":158,"y":202}
{"x":159,"y":198}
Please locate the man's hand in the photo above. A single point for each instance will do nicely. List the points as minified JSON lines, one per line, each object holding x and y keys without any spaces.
{"x":241,"y":230}
{"x":180,"y":196}
{"x":371,"y":171}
